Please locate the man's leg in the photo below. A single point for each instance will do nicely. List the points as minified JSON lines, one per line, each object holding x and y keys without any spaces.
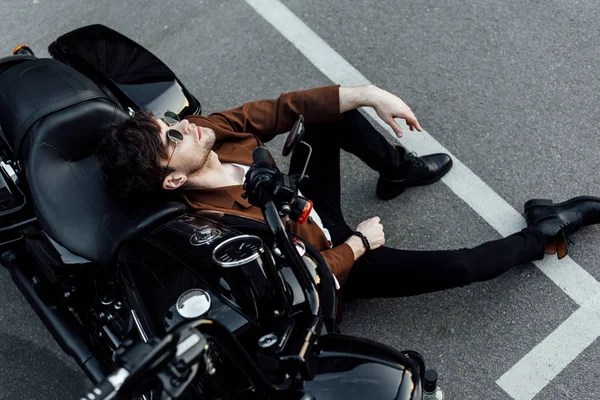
{"x":398,"y":169}
{"x":387,"y":272}
{"x":356,"y":135}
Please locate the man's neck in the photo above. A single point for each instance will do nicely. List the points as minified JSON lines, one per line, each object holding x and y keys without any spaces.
{"x":215,"y":174}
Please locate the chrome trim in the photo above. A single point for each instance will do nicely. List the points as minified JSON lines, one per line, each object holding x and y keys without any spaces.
{"x":214,"y":235}
{"x":267,"y":340}
{"x":118,"y":378}
{"x":195,"y":294}
{"x":187,"y":344}
{"x":300,"y":248}
{"x":307,"y":159}
{"x":138,"y":325}
{"x":228,"y":264}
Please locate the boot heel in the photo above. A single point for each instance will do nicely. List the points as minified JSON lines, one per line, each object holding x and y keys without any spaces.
{"x":562,"y":247}
{"x":537,"y":202}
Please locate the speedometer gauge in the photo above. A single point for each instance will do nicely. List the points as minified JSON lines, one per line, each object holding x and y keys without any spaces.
{"x":238,"y":250}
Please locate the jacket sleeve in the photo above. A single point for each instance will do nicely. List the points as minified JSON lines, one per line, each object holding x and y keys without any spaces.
{"x":268,"y":118}
{"x":340,"y":260}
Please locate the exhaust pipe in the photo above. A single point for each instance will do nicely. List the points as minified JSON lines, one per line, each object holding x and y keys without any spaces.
{"x":68,"y":341}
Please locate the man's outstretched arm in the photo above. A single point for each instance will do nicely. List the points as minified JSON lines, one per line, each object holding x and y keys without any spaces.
{"x":387,"y":105}
{"x":268,"y":118}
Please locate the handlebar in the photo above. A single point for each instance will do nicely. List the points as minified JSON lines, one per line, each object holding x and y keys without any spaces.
{"x":269,"y":189}
{"x":264,"y":182}
{"x":108,"y":388}
{"x":261,"y":157}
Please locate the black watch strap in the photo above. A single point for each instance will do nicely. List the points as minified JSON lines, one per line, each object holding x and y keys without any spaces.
{"x":364,"y":239}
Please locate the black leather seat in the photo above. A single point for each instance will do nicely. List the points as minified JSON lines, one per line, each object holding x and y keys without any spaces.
{"x":53,"y":118}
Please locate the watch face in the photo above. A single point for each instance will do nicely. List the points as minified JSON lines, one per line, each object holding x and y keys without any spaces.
{"x":204,"y":235}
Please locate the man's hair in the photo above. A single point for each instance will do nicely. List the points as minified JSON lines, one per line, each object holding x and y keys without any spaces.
{"x":130,"y":154}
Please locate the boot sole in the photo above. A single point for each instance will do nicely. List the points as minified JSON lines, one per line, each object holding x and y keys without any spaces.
{"x":548,"y":202}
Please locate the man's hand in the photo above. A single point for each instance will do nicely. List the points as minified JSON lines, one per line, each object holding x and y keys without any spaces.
{"x":386,"y":105}
{"x":373,"y":231}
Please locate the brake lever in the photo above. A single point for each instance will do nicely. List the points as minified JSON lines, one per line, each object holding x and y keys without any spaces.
{"x":180,"y":372}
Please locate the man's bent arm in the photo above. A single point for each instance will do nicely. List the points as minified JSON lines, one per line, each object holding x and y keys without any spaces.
{"x":268,"y":118}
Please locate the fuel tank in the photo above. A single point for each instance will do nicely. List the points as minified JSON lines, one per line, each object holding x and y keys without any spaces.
{"x":229,"y":254}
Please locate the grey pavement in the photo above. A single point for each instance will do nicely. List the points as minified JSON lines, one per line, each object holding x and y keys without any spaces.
{"x":509,"y":87}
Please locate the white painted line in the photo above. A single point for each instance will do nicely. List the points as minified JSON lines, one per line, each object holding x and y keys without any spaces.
{"x":566,"y":274}
{"x":576,"y":282}
{"x":543,"y":363}
{"x":326,"y":59}
{"x":530,"y":375}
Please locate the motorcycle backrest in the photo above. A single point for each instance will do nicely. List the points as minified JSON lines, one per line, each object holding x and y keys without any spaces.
{"x":134,"y":75}
{"x":53,"y":118}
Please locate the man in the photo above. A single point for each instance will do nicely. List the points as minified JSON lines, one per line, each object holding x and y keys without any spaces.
{"x":207,"y":157}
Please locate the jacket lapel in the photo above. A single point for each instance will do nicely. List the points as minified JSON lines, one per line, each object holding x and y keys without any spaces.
{"x":239,"y":151}
{"x":235,"y":192}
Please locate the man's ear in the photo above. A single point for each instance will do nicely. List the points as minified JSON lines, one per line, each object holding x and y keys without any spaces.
{"x":174,"y":181}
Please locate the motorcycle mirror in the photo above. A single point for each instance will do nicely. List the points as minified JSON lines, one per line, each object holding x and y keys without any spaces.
{"x":294,"y":137}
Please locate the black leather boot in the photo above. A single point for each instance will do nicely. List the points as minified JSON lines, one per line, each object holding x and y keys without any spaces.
{"x":413,"y":171}
{"x":557,"y":221}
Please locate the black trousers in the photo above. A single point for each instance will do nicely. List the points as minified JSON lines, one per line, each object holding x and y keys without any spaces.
{"x":388,"y":272}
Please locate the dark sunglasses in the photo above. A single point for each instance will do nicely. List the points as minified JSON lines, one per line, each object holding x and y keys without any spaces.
{"x":170,"y":118}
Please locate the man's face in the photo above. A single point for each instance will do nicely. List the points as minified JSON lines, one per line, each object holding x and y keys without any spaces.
{"x":189,"y":156}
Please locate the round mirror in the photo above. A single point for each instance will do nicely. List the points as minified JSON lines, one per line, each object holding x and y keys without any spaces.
{"x":294,"y":137}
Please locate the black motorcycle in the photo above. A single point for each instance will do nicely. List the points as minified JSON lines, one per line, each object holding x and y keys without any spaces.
{"x":152,"y":299}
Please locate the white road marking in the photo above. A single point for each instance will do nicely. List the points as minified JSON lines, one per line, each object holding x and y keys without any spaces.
{"x":530,"y":375}
{"x":542,"y":364}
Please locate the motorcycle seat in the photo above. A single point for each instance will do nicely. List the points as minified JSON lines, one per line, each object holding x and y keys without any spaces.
{"x":53,"y":117}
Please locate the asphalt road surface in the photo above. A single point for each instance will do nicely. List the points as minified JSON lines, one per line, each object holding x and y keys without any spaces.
{"x":508,"y":87}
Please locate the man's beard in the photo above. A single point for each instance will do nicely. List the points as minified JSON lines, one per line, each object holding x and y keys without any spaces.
{"x":203,"y":160}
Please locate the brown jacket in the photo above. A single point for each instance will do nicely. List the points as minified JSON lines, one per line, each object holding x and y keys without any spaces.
{"x":240,"y":130}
